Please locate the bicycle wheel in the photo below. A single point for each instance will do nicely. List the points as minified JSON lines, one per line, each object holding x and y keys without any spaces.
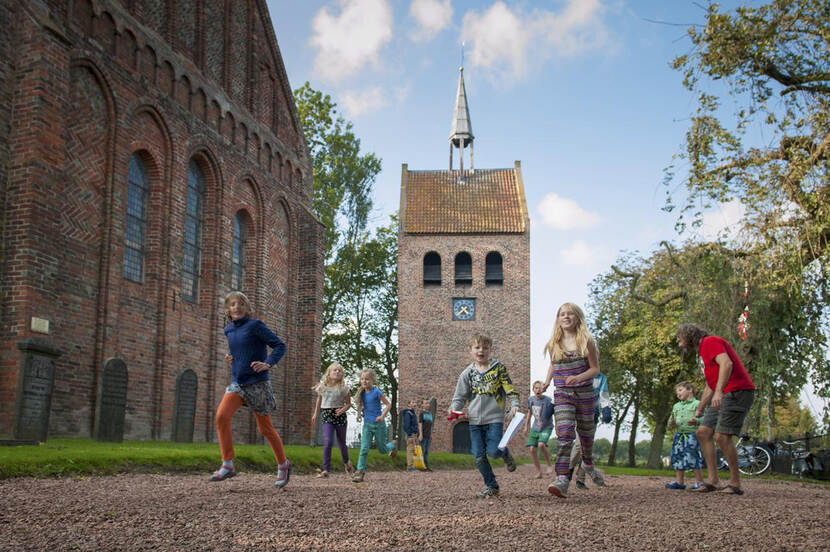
{"x":756,"y":461}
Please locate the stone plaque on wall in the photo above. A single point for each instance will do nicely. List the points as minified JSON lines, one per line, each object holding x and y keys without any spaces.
{"x":112,"y":401}
{"x":184,"y":412}
{"x":34,"y":389}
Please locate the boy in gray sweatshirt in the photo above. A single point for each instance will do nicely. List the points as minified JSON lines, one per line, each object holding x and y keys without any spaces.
{"x":485,"y":384}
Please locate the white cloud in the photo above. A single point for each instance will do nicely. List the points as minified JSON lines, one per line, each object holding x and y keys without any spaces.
{"x":725,"y":221}
{"x":432,"y":17}
{"x":565,"y":214}
{"x":357,"y":103}
{"x":503,"y":39}
{"x":581,"y":254}
{"x":351,"y":40}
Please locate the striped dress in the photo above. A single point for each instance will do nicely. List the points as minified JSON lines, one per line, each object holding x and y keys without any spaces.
{"x":573,"y":408}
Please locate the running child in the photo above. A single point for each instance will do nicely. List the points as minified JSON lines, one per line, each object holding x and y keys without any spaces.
{"x":485,"y":384}
{"x":574,"y":361}
{"x":333,"y":401}
{"x":685,"y":450}
{"x":541,"y":407}
{"x":368,"y":400}
{"x":248,"y":339}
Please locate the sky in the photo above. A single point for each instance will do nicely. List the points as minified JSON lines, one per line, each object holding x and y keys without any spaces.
{"x":580,"y":91}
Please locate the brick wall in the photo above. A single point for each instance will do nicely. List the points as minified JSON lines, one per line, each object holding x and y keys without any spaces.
{"x":433,"y":349}
{"x":91,"y":85}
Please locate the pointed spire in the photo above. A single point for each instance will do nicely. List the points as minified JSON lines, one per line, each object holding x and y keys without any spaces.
{"x":461,"y":133}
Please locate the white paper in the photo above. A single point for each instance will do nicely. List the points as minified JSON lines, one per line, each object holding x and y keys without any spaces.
{"x":512,"y":429}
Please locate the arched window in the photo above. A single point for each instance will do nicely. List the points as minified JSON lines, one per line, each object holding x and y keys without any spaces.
{"x":192,"y":232}
{"x":238,"y":260}
{"x":135,"y":230}
{"x":432,"y":269}
{"x":463,"y":269}
{"x":493,"y":271}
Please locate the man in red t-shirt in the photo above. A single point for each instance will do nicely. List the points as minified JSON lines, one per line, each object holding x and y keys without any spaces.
{"x":727,"y":396}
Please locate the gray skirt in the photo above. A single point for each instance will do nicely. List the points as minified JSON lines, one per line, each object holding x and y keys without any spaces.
{"x":258,"y":396}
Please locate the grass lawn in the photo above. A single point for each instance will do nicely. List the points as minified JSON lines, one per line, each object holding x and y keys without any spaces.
{"x":82,"y":457}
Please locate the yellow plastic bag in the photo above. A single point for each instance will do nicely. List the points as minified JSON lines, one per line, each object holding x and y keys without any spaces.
{"x":418,"y":458}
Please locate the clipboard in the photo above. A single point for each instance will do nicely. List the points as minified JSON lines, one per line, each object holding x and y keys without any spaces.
{"x":512,"y":429}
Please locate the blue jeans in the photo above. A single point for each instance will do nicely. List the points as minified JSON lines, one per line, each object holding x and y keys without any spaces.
{"x":425,"y":450}
{"x":378,"y":431}
{"x":484,"y":442}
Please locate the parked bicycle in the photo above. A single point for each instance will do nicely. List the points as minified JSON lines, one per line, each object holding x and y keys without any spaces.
{"x":804,"y":463}
{"x":753,"y":459}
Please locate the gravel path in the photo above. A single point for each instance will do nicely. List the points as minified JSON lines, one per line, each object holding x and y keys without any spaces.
{"x":403,"y":511}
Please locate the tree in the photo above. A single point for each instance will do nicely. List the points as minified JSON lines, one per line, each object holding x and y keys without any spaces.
{"x":775,"y":60}
{"x":773,"y":153}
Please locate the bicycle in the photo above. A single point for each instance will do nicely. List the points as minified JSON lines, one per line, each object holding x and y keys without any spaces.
{"x":804,"y":464}
{"x":753,"y":459}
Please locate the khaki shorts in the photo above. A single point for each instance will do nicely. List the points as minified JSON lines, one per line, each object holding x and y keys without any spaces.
{"x":729,"y":418}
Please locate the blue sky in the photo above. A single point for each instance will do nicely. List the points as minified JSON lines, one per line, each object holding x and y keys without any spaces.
{"x":580,"y":91}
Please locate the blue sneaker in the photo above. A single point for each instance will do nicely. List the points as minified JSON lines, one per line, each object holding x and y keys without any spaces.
{"x":675,"y":485}
{"x":697,"y":485}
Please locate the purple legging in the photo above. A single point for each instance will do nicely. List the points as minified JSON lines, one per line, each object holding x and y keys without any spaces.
{"x":329,"y":431}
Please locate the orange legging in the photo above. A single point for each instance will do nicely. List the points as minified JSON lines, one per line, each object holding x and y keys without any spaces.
{"x":232,"y":402}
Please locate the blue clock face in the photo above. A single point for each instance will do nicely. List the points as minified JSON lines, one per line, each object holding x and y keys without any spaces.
{"x":463,"y":309}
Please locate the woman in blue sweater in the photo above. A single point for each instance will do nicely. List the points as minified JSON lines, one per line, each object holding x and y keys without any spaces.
{"x":248,"y":340}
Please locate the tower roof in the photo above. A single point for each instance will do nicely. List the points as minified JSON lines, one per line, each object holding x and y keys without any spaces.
{"x":484,"y":201}
{"x":461,"y":132}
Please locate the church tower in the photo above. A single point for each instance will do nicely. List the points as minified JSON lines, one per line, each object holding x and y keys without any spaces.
{"x":463,"y":267}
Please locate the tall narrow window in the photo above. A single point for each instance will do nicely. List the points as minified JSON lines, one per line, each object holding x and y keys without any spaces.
{"x":238,"y":261}
{"x":432,"y":269}
{"x":136,"y":221}
{"x":493,"y":270}
{"x":463,"y":269}
{"x":192,"y":232}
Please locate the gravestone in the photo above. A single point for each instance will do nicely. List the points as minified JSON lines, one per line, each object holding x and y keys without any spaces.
{"x":184,"y":410}
{"x":112,"y":402}
{"x":34,"y":389}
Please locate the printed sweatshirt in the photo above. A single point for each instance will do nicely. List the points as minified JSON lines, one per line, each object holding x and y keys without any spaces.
{"x":485,"y":392}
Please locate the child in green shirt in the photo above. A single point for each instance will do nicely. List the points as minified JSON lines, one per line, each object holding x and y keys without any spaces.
{"x":685,"y":450}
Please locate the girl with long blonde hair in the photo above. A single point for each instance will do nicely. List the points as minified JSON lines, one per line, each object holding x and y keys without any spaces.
{"x":574,"y":361}
{"x":333,"y":401}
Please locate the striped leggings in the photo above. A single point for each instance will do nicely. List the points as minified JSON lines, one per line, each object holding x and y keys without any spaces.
{"x":573,"y":408}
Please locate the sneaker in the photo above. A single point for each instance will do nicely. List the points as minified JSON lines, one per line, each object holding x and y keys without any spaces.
{"x":349,"y":468}
{"x":283,"y":473}
{"x":595,"y":475}
{"x":394,"y":452}
{"x":358,"y":476}
{"x":696,"y":486}
{"x":488,"y":492}
{"x":559,"y":487}
{"x":509,"y":462}
{"x":323,"y":474}
{"x":676,"y":486}
{"x":220,"y":475}
{"x":581,"y":485}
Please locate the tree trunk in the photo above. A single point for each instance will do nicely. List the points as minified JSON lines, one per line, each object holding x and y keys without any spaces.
{"x":618,"y":421}
{"x":655,"y":452}
{"x":632,"y":439}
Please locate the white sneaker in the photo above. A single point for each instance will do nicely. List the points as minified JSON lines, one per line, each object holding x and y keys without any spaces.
{"x":559,"y":487}
{"x":595,"y":475}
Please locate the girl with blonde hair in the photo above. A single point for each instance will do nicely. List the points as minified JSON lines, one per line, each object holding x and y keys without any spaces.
{"x":368,"y":400}
{"x":333,"y":401}
{"x":574,"y":361}
{"x":248,"y":342}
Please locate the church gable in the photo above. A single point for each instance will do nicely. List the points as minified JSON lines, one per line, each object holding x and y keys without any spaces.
{"x":463,"y":202}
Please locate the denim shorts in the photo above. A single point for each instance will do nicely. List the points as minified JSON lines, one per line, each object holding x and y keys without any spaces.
{"x":729,"y":418}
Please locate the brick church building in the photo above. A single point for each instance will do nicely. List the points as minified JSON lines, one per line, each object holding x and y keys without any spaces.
{"x":151,"y":160}
{"x":463,"y":267}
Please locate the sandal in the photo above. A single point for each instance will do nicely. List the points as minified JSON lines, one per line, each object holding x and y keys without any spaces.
{"x":732,"y":489}
{"x":323,"y":474}
{"x":705,"y":488}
